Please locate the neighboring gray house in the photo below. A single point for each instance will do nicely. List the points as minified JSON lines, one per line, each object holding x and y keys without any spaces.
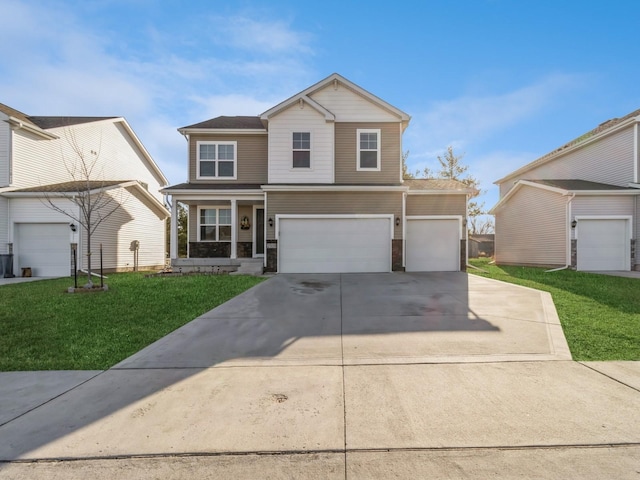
{"x":37,"y":162}
{"x":314,"y":184}
{"x":577,"y":206}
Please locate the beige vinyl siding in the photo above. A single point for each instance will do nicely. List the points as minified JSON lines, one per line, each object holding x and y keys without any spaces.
{"x":251,"y":158}
{"x":436,"y":205}
{"x":349,"y":106}
{"x":609,"y":160}
{"x":531,"y":228}
{"x":281,"y":128}
{"x":5,"y":151}
{"x":346,"y":154}
{"x":40,"y":161}
{"x":316,"y":203}
{"x":602,"y":205}
{"x":245,"y":235}
{"x":132,"y":221}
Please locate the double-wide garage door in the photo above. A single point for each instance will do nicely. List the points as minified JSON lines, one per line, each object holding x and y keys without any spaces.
{"x":603,"y":244}
{"x":334,"y":245}
{"x":44,"y":247}
{"x":433,"y":245}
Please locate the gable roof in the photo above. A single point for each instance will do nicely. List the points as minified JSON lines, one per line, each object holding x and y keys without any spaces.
{"x":604,"y":129}
{"x":56,"y":122}
{"x":224,"y":122}
{"x":567,"y":187}
{"x":334,"y":77}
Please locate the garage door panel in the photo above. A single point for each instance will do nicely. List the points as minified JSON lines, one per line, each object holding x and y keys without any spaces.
{"x":44,"y":247}
{"x":330,"y":245}
{"x":433,"y":245}
{"x":603,"y":244}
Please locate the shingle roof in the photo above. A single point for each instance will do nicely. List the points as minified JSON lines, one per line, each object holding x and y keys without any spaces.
{"x":213,"y":186}
{"x":70,"y":187}
{"x":434,"y":184}
{"x":55,"y":122}
{"x":575,"y":184}
{"x":49,"y":122}
{"x":229,"y":123}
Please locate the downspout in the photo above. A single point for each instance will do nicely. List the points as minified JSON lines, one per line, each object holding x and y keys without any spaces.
{"x":404,"y":230}
{"x":568,"y":237}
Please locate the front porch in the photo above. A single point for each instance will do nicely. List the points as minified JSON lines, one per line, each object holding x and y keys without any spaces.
{"x":223,"y":233}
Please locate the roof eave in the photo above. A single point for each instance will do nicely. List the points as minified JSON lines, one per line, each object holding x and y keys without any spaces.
{"x":234,"y":131}
{"x":21,"y":125}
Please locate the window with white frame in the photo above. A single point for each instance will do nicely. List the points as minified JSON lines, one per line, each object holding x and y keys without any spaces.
{"x":301,"y":150}
{"x":368,"y":149}
{"x":214,"y":224}
{"x":216,"y":160}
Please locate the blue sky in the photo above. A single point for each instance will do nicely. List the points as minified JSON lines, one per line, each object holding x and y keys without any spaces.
{"x":503,"y":82}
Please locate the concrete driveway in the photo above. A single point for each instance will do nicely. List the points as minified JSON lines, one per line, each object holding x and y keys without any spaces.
{"x":340,"y":376}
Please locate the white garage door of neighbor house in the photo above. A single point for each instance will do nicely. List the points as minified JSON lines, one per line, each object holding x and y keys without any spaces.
{"x":433,"y":245}
{"x":44,"y":247}
{"x":603,"y":244}
{"x":334,"y":245}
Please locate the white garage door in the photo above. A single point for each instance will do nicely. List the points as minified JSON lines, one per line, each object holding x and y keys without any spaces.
{"x":334,"y":245}
{"x":45,"y":247}
{"x":603,"y":244}
{"x":433,"y":245}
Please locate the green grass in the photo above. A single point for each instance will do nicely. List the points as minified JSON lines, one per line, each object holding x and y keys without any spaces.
{"x":44,"y":328}
{"x":600,"y":314}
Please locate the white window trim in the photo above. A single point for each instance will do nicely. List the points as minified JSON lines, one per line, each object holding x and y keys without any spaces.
{"x":302,"y":169}
{"x":378,"y":150}
{"x":217,"y":225}
{"x":217,"y":177}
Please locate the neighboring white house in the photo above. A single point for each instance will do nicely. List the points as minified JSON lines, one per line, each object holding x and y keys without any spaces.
{"x":39,"y":162}
{"x":577,"y":206}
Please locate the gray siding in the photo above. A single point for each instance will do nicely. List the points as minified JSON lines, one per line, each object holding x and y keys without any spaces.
{"x":5,"y":153}
{"x":4,"y":225}
{"x":251,"y":158}
{"x":346,"y":153}
{"x":531,"y":228}
{"x":602,"y":205}
{"x":609,"y":160}
{"x":436,"y":205}
{"x":316,"y":203}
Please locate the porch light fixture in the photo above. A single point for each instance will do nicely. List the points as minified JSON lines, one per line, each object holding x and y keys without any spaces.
{"x":397,"y":221}
{"x":73,"y":227}
{"x":574,"y":224}
{"x":270,"y":222}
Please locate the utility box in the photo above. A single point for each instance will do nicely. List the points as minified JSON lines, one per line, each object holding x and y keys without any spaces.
{"x":6,"y":265}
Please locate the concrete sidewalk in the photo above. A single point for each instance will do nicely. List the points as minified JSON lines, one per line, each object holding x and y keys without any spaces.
{"x":341,"y":376}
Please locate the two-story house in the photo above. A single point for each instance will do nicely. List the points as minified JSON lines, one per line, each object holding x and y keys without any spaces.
{"x":576,"y":206}
{"x":41,"y":161}
{"x":314,"y":185}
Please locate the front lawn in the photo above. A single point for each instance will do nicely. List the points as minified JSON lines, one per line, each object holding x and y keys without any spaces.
{"x":44,"y":328}
{"x":600,"y":314}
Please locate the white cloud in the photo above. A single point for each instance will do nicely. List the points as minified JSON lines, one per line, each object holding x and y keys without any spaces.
{"x":266,"y":36}
{"x":464,"y":120}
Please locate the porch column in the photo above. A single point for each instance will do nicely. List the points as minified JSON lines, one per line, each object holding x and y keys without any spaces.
{"x":234,"y":228}
{"x":173,"y":241}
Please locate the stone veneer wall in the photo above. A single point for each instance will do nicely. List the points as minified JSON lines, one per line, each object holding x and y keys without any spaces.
{"x":244,"y":249}
{"x":396,"y":255}
{"x":272,"y":256}
{"x":463,"y":255}
{"x":209,"y":249}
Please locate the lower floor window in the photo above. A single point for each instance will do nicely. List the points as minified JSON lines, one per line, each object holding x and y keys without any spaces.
{"x":215,"y":224}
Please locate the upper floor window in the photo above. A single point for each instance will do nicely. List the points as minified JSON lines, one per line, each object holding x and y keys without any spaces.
{"x":368,"y":149}
{"x":214,"y":224}
{"x":301,"y":150}
{"x":216,"y":160}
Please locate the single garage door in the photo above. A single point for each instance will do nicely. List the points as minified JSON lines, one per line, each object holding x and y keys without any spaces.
{"x":334,"y":245}
{"x":603,"y":244}
{"x":45,"y":247}
{"x":433,"y":245}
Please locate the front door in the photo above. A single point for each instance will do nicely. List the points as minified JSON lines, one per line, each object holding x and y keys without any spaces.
{"x":258,"y":235}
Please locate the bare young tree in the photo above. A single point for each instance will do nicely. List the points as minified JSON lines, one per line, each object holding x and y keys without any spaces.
{"x":86,"y":191}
